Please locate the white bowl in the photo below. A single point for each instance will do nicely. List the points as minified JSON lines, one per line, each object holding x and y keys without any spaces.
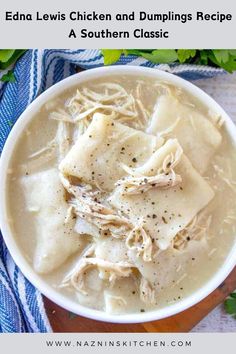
{"x":16,"y":252}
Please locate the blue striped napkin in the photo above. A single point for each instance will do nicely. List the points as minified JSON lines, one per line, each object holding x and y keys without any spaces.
{"x":21,"y":305}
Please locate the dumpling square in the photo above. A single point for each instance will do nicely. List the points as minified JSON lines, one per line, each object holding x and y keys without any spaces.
{"x":163,"y":209}
{"x":98,"y":155}
{"x":55,"y":236}
{"x":196,"y":134}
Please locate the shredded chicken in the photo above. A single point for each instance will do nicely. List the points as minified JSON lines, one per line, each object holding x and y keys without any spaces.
{"x":135,"y":185}
{"x":48,"y":149}
{"x":113,"y":303}
{"x":85,"y":206}
{"x":63,"y":139}
{"x":171,"y":161}
{"x":168,"y":164}
{"x":164,"y":88}
{"x":107,"y":271}
{"x":69,"y":215}
{"x":83,"y":227}
{"x":170,"y":129}
{"x":147,"y":293}
{"x":227,"y":178}
{"x":230,"y":218}
{"x":111,"y":223}
{"x":145,"y":113}
{"x":113,"y":100}
{"x":164,"y":178}
{"x":210,"y":254}
{"x":61,"y":115}
{"x":139,"y":240}
{"x":216,"y":119}
{"x":195,"y":230}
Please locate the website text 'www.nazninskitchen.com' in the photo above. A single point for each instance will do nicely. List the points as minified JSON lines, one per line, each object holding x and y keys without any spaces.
{"x":118,"y":343}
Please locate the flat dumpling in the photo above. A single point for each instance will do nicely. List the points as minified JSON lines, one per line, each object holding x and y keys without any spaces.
{"x":123,"y":297}
{"x":196,"y":134}
{"x":163,"y":195}
{"x":99,"y":153}
{"x":169,"y":266}
{"x":111,"y":249}
{"x":95,"y":287}
{"x":55,"y":236}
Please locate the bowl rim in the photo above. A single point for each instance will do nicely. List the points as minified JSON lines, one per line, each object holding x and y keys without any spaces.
{"x":9,"y":238}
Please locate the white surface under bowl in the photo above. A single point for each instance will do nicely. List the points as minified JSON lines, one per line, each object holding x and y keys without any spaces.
{"x":9,"y":238}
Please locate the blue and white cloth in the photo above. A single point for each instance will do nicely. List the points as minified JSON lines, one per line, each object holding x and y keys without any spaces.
{"x":21,"y":305}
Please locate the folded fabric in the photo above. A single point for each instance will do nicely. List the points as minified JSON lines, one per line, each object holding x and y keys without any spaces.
{"x":22,"y":308}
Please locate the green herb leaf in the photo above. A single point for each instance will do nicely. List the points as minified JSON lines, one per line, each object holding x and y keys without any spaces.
{"x":185,"y":54}
{"x":222,"y":56}
{"x":111,"y":56}
{"x":8,"y":77}
{"x":6,"y":54}
{"x":9,"y":56}
{"x":230,"y":305}
{"x":138,"y":52}
{"x":203,"y":57}
{"x":161,"y":56}
{"x":226,"y":61}
{"x":232,"y":51}
{"x":230,"y":66}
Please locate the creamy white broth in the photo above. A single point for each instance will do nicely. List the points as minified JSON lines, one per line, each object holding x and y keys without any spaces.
{"x":178,"y":272}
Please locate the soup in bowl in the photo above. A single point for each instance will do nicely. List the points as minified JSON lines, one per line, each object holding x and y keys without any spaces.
{"x":117,"y":195}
